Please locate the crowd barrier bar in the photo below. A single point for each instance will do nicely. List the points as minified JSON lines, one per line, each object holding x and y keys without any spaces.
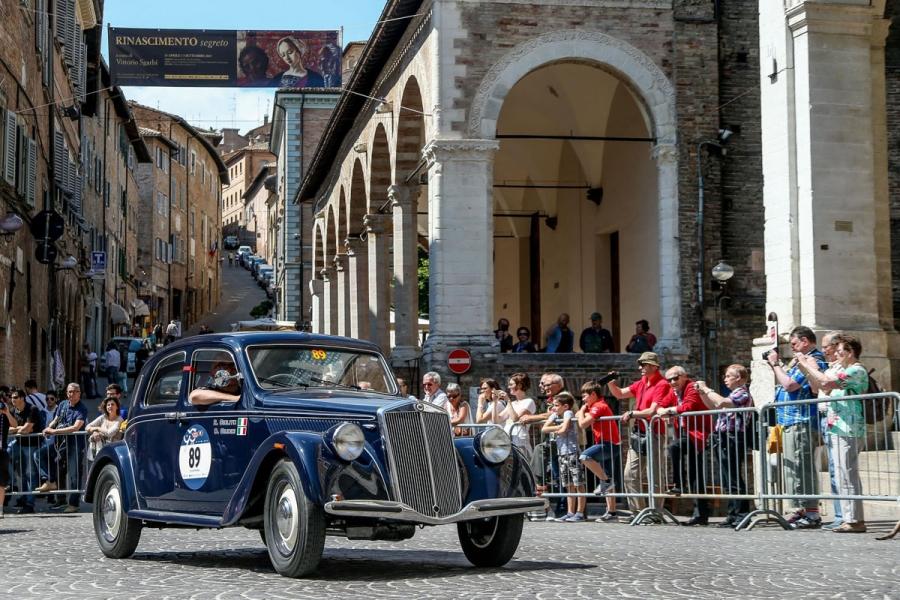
{"x":36,"y":458}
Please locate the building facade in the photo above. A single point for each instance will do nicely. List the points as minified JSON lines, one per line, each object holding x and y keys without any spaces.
{"x":299,"y":119}
{"x":243,"y":166}
{"x":563,"y":157}
{"x":180,"y":218}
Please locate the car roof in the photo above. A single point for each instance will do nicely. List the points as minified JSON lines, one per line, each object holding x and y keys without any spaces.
{"x":247,"y":338}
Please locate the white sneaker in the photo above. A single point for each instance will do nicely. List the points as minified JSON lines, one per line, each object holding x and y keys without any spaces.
{"x":551,"y":516}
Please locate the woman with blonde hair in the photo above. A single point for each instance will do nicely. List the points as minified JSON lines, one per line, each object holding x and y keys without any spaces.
{"x":293,"y":52}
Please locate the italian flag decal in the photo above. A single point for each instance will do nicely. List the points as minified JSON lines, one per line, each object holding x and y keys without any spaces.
{"x":242,"y":426}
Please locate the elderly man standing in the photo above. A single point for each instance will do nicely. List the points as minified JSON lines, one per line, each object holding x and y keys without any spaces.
{"x":71,"y":415}
{"x":431,"y":383}
{"x":688,"y":449}
{"x":800,"y":425}
{"x":651,"y":393}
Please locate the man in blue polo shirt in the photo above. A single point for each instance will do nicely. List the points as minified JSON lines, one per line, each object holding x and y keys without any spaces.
{"x":800,"y":427}
{"x":71,"y":416}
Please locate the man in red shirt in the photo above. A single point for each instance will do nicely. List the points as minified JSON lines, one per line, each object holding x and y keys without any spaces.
{"x":688,"y":448}
{"x":604,"y":458}
{"x":651,"y":393}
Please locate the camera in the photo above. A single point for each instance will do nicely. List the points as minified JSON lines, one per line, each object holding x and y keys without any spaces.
{"x":765,"y":355}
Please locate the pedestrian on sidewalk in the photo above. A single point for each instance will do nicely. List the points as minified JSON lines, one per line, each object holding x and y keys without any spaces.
{"x":231,"y":259}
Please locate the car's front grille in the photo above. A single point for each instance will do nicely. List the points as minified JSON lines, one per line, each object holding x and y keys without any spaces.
{"x":423,"y":462}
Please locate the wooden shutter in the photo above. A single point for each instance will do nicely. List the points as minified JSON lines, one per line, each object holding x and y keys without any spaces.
{"x":10,"y":134}
{"x":31,"y":184}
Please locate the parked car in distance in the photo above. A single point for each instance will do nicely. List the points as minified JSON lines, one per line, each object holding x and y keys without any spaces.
{"x":298,"y":435}
{"x":230,"y":242}
{"x":264,"y":274}
{"x":252,"y":262}
{"x":133,"y":351}
{"x":242,"y":253}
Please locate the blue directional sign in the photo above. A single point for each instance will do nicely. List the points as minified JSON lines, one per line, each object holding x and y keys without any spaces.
{"x":98,"y":261}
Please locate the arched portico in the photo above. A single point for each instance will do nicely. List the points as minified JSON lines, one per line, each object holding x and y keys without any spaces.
{"x":653,"y":97}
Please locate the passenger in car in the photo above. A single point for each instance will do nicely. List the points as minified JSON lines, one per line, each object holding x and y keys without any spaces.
{"x":210,"y":394}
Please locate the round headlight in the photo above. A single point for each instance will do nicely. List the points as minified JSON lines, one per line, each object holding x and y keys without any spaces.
{"x":494,"y":445}
{"x":348,"y":441}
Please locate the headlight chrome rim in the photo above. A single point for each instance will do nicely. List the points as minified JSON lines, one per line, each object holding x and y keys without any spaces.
{"x":495,"y":445}
{"x":348,"y":441}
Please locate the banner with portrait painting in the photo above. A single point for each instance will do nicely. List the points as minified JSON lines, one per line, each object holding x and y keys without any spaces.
{"x":207,"y":58}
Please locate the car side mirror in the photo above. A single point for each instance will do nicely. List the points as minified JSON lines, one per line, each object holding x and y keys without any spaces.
{"x":222,"y":378}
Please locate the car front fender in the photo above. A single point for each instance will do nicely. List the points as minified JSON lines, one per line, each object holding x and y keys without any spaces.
{"x":114,"y":454}
{"x":510,"y":479}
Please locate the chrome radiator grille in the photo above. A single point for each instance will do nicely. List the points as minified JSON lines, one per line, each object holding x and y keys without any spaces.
{"x":423,"y":461}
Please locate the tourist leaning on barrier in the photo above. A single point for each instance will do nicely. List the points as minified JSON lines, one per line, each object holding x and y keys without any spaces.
{"x":688,"y":449}
{"x":828,"y":347}
{"x":846,"y":423}
{"x":734,"y":432}
{"x":71,"y":415}
{"x":800,"y":426}
{"x":491,"y":402}
{"x":458,"y":409}
{"x":27,"y":420}
{"x":604,"y":458}
{"x":650,"y":392}
{"x":560,"y":423}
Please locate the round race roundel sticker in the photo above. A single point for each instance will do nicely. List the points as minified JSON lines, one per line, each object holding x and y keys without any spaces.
{"x":195,"y":457}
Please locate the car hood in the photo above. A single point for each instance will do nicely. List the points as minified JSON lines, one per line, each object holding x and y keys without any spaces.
{"x":329,"y":399}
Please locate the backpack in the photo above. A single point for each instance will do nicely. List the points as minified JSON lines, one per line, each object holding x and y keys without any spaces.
{"x":874,"y":408}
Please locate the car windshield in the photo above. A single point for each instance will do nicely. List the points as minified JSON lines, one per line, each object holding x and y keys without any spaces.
{"x":294,"y":366}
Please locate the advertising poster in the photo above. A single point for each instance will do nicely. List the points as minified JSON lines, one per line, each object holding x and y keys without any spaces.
{"x":191,"y":58}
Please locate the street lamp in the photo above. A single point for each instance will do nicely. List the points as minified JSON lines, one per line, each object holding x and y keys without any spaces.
{"x":11,"y":223}
{"x":722,"y":272}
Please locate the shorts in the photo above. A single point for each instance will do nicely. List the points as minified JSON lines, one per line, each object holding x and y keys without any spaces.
{"x":608,"y":455}
{"x":570,"y":470}
{"x":4,"y":467}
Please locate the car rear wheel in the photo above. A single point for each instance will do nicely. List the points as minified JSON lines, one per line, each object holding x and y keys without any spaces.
{"x":490,"y":542}
{"x":117,"y":535}
{"x":294,"y":527}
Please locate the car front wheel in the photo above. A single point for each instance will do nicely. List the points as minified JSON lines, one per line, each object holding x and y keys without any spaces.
{"x":117,"y":535}
{"x":490,"y":542}
{"x":294,"y":527}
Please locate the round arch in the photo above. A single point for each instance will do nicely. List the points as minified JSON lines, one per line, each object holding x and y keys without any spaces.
{"x":626,"y":61}
{"x":380,"y":173}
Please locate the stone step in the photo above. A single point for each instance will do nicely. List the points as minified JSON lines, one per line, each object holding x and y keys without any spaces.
{"x":880,"y":461}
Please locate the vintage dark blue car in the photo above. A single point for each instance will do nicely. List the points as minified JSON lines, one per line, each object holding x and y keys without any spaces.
{"x":300,"y":436}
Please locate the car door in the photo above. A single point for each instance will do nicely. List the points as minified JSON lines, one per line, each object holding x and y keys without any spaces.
{"x":215,"y":446}
{"x":154,"y":433}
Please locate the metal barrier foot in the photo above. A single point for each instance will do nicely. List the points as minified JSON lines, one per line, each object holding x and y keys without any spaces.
{"x":766,"y":516}
{"x":652,"y":515}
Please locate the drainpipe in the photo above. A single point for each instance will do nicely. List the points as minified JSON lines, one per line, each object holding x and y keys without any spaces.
{"x":701,"y":251}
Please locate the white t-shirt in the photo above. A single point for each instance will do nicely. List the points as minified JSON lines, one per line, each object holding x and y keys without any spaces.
{"x":519,"y":433}
{"x":489,"y":410}
{"x":113,"y":359}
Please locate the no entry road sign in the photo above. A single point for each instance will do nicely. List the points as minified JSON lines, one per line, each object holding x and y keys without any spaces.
{"x":459,"y":361}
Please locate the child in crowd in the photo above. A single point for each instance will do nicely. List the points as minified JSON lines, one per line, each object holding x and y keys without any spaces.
{"x":560,"y":423}
{"x":604,"y":458}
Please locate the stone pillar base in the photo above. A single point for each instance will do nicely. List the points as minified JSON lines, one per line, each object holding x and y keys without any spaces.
{"x":484,"y":353}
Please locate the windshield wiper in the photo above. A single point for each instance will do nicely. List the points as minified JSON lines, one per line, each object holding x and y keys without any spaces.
{"x":345,"y":386}
{"x":282,"y":384}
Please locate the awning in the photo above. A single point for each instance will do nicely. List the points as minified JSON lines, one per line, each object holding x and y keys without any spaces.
{"x":140,"y":308}
{"x":118,"y":314}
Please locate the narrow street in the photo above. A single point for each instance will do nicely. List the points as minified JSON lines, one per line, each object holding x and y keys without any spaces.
{"x":240,"y":293}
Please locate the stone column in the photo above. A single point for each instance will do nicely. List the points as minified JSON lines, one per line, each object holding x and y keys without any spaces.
{"x":666,"y":158}
{"x":316,"y":290}
{"x":460,"y":231}
{"x":406,"y":282}
{"x":358,"y":287}
{"x":342,"y":291}
{"x":824,"y":169}
{"x":377,"y":236}
{"x":329,"y":309}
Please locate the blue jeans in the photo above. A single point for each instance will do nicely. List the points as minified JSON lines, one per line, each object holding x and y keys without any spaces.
{"x":829,"y":446}
{"x":23,"y":469}
{"x":71,"y":468}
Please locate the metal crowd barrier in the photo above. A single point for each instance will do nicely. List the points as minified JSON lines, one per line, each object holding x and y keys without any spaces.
{"x":722,"y":455}
{"x":36,"y":459}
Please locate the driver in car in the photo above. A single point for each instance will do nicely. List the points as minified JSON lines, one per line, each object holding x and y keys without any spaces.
{"x":229,"y":390}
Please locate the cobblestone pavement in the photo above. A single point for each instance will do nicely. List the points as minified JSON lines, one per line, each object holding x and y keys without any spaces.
{"x":555,"y":560}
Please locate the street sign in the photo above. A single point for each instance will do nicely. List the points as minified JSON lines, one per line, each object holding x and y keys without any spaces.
{"x":45,"y":252}
{"x":98,"y":261}
{"x":459,"y":361}
{"x":48,"y":225}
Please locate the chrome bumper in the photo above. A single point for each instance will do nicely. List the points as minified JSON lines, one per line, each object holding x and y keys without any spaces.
{"x":397,"y":511}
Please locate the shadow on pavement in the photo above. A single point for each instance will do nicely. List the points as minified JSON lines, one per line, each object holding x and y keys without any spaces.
{"x":358,"y":564}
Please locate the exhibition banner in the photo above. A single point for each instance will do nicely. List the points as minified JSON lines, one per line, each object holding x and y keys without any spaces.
{"x":185,"y":57}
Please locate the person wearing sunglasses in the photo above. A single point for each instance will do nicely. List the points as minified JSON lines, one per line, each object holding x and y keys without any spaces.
{"x":523,"y":341}
{"x":459,"y":410}
{"x":431,"y":383}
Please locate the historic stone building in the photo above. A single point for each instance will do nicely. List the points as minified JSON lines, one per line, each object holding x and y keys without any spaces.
{"x":180,"y":218}
{"x":243,"y":166}
{"x":604,"y":155}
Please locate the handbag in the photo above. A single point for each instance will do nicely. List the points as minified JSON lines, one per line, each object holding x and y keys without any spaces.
{"x":638,"y":443}
{"x":775,"y":443}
